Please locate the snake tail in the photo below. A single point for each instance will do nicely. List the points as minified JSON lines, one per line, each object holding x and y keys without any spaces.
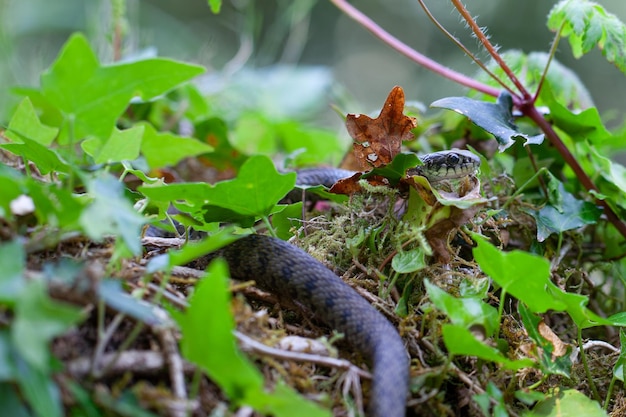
{"x":291,"y":273}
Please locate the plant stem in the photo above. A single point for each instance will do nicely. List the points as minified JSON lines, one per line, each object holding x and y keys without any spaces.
{"x":583,"y":357}
{"x":411,"y":53}
{"x":489,"y":47}
{"x":555,"y":44}
{"x":463,"y":48}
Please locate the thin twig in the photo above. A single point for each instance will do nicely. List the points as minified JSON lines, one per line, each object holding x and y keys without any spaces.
{"x":490,"y":48}
{"x":467,"y":52}
{"x":411,"y":53}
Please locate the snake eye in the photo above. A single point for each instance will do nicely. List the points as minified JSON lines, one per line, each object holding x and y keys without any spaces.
{"x":452,"y":159}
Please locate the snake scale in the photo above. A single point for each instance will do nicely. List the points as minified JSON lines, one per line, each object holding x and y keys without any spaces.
{"x":291,"y":273}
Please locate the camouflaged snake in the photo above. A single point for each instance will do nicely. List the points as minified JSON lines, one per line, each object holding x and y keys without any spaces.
{"x":291,"y":273}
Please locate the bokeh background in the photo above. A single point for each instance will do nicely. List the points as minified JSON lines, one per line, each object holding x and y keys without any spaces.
{"x":251,"y":48}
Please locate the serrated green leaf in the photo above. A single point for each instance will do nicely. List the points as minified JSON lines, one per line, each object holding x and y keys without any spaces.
{"x":92,"y":97}
{"x":122,"y":145}
{"x":495,"y":118}
{"x":38,"y":319}
{"x":566,"y":403}
{"x":255,"y":191}
{"x":166,"y":149}
{"x":588,"y":24}
{"x":460,"y":341}
{"x":25,"y":123}
{"x":573,"y":214}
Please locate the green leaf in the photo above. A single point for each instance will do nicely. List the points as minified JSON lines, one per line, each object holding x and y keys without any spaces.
{"x":122,"y":145}
{"x":38,"y":387}
{"x":166,"y":149}
{"x":409,"y":261}
{"x":580,"y":125}
{"x":255,"y":191}
{"x":38,"y":319}
{"x":115,"y":297}
{"x":188,"y":191}
{"x":111,"y":214}
{"x":92,"y":97}
{"x":13,"y":261}
{"x":560,"y":365}
{"x":215,"y":6}
{"x":574,"y":213}
{"x":25,"y":123}
{"x":521,"y":274}
{"x":527,"y":277}
{"x":397,"y":168}
{"x":288,"y":217}
{"x":207,"y":326}
{"x":568,"y":403}
{"x":12,"y":404}
{"x":460,"y":341}
{"x":495,"y":118}
{"x":224,"y":156}
{"x":619,"y":370}
{"x":47,"y":160}
{"x":464,"y":311}
{"x":588,"y":24}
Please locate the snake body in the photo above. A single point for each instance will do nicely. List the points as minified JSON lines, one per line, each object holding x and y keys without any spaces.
{"x":291,"y":273}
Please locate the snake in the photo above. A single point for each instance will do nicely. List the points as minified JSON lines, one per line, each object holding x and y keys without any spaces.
{"x":292,"y":274}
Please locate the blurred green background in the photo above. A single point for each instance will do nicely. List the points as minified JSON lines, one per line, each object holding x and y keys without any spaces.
{"x":341,"y":62}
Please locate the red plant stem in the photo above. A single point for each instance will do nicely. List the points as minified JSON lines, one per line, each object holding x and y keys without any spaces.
{"x":411,"y":53}
{"x":489,"y":47}
{"x":532,"y":113}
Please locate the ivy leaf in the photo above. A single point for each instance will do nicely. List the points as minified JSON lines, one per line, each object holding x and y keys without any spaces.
{"x":460,"y":341}
{"x":122,"y":145}
{"x":110,"y":213}
{"x":25,"y":123}
{"x":581,"y":126}
{"x":568,"y":403}
{"x":255,"y":191}
{"x":38,"y":319}
{"x":47,"y":160}
{"x":588,"y":24}
{"x":465,"y":311}
{"x":92,"y":97}
{"x":13,"y":261}
{"x":495,"y":118}
{"x":166,"y":149}
{"x":572,"y":214}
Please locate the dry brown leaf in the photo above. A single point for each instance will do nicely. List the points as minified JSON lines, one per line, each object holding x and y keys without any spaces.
{"x":379,"y":140}
{"x":560,"y":348}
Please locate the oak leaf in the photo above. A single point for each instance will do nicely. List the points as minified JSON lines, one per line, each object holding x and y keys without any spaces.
{"x":378,"y":140}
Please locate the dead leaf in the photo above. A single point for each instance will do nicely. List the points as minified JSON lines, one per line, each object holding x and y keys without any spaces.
{"x":560,"y":348}
{"x":378,"y":140}
{"x":349,"y":186}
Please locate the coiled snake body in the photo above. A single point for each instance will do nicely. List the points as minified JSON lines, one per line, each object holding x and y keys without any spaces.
{"x":291,"y":273}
